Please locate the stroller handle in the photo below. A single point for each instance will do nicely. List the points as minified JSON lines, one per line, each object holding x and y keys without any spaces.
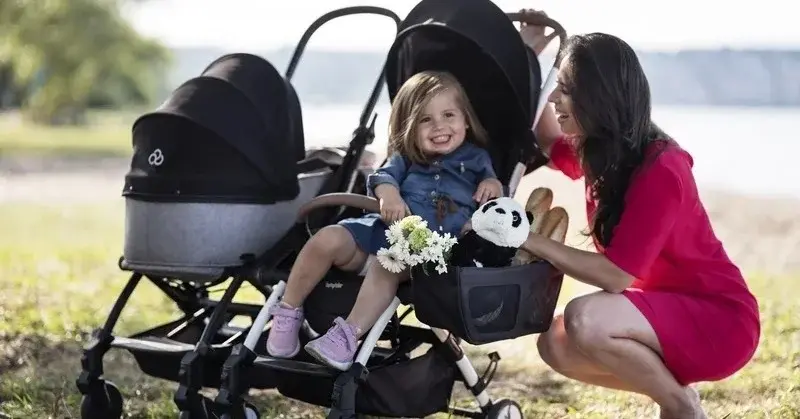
{"x":558,"y":30}
{"x":327,"y":17}
{"x":550,"y":80}
{"x":366,"y":203}
{"x":345,"y":11}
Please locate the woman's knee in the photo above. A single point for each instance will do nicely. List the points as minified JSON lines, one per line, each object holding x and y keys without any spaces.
{"x":584,"y":327}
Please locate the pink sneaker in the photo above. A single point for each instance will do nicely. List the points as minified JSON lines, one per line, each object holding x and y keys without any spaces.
{"x":337,"y":347}
{"x":284,"y":340}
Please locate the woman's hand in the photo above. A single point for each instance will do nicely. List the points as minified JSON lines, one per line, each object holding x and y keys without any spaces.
{"x":533,"y":35}
{"x":488,"y":189}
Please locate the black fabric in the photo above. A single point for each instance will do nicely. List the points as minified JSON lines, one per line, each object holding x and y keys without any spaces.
{"x":296,"y":112}
{"x":198,"y":166}
{"x":483,"y":305}
{"x":259,"y":81}
{"x":222,"y":136}
{"x":416,"y":388}
{"x":479,"y":45}
{"x":333,"y":297}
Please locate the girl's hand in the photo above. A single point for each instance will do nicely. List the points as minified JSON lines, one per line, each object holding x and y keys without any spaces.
{"x":488,"y":189}
{"x":393,"y":208}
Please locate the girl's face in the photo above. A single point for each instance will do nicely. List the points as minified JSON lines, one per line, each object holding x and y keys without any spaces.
{"x":442,"y":125}
{"x":563,"y":102}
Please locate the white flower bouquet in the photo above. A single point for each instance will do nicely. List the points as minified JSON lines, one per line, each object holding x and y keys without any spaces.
{"x":411,"y":243}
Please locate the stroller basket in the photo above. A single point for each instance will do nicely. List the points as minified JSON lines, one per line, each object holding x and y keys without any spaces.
{"x":416,"y":387}
{"x":483,"y":305}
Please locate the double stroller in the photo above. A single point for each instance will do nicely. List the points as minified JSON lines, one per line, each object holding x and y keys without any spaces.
{"x":221,"y":191}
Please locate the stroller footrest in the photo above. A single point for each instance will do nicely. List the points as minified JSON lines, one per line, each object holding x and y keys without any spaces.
{"x":295,"y":367}
{"x":151,"y":344}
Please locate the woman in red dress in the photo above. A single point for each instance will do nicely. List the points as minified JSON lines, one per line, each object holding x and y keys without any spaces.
{"x":673,"y":309}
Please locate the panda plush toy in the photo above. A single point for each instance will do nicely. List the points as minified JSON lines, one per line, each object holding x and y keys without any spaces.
{"x":499,"y":227}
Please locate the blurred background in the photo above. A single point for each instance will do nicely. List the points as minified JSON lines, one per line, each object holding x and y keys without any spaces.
{"x":74,"y":75}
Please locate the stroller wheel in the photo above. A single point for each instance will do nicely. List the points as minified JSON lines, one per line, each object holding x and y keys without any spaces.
{"x":250,"y":412}
{"x":504,"y":409}
{"x":105,"y":403}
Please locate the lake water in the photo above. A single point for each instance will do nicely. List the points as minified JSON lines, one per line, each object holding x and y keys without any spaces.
{"x":750,"y":150}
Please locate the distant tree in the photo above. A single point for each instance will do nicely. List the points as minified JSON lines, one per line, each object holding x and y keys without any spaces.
{"x":66,"y":53}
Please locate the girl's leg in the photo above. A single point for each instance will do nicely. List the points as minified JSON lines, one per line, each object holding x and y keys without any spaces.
{"x":338,"y":346}
{"x":331,"y":246}
{"x":604,"y":340}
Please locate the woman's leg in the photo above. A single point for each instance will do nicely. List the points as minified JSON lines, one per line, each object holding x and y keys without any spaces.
{"x":331,"y":246}
{"x":338,"y":346}
{"x":604,"y":340}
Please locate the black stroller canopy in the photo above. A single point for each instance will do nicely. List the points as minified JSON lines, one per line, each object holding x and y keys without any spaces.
{"x":233,"y":133}
{"x":476,"y":42}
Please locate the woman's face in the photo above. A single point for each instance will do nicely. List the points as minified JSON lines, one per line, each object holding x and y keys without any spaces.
{"x":562,"y":102}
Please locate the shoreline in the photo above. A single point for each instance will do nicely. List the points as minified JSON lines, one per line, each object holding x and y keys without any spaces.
{"x":761,"y":234}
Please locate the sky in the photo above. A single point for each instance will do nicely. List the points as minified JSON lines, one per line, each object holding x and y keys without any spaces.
{"x":257,"y":25}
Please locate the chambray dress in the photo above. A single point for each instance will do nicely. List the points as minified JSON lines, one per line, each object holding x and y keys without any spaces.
{"x":441,"y":193}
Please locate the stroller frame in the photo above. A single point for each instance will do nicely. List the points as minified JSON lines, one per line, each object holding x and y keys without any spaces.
{"x":225,"y":357}
{"x":102,"y":399}
{"x":343,"y":398}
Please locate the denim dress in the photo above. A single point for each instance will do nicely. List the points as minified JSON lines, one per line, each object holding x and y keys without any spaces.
{"x":440,"y":192}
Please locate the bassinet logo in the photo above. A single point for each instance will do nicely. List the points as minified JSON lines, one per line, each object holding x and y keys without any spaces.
{"x":156,"y":158}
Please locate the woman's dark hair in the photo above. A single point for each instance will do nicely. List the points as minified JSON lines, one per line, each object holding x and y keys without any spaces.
{"x":611,"y":103}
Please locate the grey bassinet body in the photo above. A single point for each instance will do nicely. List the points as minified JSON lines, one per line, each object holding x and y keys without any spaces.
{"x":195,"y":239}
{"x":214,"y":174}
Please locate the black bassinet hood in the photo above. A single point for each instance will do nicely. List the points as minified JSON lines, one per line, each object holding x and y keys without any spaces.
{"x":476,"y":42}
{"x":233,"y":134}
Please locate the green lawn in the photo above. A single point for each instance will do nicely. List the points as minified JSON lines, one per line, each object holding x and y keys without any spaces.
{"x":108,"y":134}
{"x":59,"y":275}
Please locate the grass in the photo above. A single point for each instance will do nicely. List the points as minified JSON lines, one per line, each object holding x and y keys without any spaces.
{"x":59,"y":275}
{"x":108,"y":134}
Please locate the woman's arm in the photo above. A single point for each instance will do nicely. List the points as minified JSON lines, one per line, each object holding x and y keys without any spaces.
{"x":588,"y":267}
{"x":548,"y":130}
{"x":653,"y":205}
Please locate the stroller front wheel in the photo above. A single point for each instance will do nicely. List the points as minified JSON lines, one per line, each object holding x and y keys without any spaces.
{"x":250,"y":412}
{"x":103,"y":403}
{"x":504,"y":409}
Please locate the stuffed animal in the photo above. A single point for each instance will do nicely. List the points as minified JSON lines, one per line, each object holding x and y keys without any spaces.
{"x":499,"y":227}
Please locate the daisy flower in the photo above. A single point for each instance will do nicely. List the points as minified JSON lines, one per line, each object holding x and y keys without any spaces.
{"x":389,"y":260}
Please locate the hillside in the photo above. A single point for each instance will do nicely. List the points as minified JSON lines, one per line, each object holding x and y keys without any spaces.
{"x":699,"y":77}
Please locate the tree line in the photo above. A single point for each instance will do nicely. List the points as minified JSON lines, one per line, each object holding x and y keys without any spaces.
{"x":59,"y":58}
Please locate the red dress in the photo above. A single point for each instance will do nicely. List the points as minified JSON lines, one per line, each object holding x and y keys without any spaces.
{"x":695,"y":298}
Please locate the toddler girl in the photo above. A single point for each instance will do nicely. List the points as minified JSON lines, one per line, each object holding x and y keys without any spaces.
{"x":432,"y":172}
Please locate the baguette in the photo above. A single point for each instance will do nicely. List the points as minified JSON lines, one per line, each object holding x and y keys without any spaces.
{"x":536,"y":207}
{"x":555,"y":224}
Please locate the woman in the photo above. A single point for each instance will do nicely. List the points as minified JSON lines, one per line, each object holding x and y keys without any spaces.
{"x":673,"y":309}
